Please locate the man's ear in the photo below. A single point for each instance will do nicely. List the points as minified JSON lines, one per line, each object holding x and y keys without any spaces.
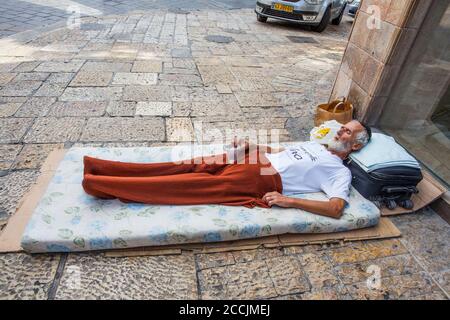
{"x":357,"y":146}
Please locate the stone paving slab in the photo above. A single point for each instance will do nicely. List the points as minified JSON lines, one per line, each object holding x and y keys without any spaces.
{"x":46,"y":130}
{"x":35,"y":107}
{"x":78,"y":109}
{"x":121,"y":108}
{"x":426,"y":237}
{"x":19,"y":88}
{"x":8,"y":153}
{"x":147,"y":66}
{"x":27,"y":66}
{"x":33,"y":156}
{"x":240,"y":281}
{"x":214,"y":260}
{"x":62,"y":78}
{"x":154,"y":108}
{"x":140,"y":79}
{"x":26,"y":277}
{"x":397,"y":287}
{"x":334,"y":293}
{"x":180,"y":130}
{"x":443,"y":279}
{"x":13,"y":129}
{"x":147,"y":93}
{"x":319,"y":270}
{"x":6,"y":77}
{"x":164,"y":277}
{"x":124,"y":129}
{"x":8,"y":66}
{"x":91,"y":79}
{"x":31,"y":76}
{"x":179,"y":79}
{"x":50,"y":90}
{"x":287,"y":275}
{"x":66,"y":66}
{"x":338,"y":292}
{"x":94,"y":94}
{"x":9,"y":109}
{"x":257,"y":254}
{"x":366,"y":250}
{"x":13,"y":187}
{"x":100,"y":66}
{"x":389,"y":266}
{"x":213,"y":75}
{"x":257,"y":99}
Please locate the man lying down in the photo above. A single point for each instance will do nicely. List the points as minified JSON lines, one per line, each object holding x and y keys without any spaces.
{"x":259,"y":176}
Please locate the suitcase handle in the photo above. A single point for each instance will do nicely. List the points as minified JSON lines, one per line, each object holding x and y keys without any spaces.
{"x":400,"y":189}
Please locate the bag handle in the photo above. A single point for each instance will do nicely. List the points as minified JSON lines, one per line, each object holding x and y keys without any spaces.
{"x":338,"y":105}
{"x":342,"y":100}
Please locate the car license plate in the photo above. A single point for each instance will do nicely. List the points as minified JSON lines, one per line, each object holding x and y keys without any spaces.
{"x":309,"y":18}
{"x":282,"y":7}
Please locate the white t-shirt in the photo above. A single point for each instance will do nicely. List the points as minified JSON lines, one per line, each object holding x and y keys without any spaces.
{"x":309,"y":167}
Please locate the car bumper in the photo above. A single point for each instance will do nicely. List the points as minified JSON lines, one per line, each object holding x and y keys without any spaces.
{"x":303,"y":14}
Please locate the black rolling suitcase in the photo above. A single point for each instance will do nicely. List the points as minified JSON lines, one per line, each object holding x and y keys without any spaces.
{"x":386,"y":187}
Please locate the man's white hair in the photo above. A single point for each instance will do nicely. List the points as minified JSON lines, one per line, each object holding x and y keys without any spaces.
{"x":362,"y":137}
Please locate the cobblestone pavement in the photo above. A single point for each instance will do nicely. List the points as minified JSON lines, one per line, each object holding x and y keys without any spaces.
{"x":139,"y":79}
{"x":22,"y":15}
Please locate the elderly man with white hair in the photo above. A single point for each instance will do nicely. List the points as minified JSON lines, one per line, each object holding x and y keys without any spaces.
{"x":262,"y":177}
{"x":310,"y":167}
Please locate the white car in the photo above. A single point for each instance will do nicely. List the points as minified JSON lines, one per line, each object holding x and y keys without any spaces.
{"x":354,"y":7}
{"x":316,"y":13}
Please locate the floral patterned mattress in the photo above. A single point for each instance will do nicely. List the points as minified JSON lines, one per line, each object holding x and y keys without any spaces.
{"x":67,"y":219}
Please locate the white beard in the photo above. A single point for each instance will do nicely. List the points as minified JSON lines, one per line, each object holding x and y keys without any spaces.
{"x":338,"y":146}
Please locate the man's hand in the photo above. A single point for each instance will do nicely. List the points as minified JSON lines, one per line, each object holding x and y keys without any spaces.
{"x":277,"y":199}
{"x":246,"y":145}
{"x":240,"y":143}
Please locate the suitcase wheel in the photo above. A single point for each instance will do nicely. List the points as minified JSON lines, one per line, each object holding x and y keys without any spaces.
{"x":391,"y":204}
{"x":407,"y":204}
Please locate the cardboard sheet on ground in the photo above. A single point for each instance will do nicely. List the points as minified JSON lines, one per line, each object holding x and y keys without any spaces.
{"x":429,"y":190}
{"x":66,"y":219}
{"x":384,"y":230}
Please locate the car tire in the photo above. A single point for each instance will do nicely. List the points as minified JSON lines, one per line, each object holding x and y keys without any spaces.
{"x":261,"y":18}
{"x":324,"y":22}
{"x":337,"y":20}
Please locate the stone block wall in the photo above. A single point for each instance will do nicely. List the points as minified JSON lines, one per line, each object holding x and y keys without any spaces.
{"x":383,"y":33}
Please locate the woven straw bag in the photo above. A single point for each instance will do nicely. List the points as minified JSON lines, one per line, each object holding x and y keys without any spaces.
{"x":340,"y":110}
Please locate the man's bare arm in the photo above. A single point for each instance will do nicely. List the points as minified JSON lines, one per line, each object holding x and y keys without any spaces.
{"x":242,"y":143}
{"x":332,"y":208}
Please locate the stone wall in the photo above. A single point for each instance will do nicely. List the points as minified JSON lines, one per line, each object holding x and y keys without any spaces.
{"x":383,"y":33}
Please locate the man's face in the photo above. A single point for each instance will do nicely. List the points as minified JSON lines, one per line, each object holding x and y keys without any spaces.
{"x":346,"y":136}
